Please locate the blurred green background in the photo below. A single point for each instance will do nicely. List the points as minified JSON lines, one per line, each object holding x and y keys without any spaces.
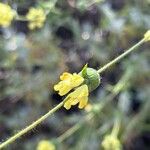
{"x":76,"y":32}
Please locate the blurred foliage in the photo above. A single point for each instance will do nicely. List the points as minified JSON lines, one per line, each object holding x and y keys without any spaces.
{"x":75,"y":33}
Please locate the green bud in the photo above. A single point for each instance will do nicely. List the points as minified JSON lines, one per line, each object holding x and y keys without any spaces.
{"x":91,"y":77}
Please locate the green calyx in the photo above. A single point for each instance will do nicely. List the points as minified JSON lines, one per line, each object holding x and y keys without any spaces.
{"x":91,"y":77}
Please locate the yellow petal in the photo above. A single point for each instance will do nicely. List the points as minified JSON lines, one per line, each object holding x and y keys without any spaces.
{"x":63,"y":87}
{"x":83,"y":102}
{"x":67,"y":83}
{"x":80,"y":95}
{"x":36,"y":17}
{"x":65,"y":76}
{"x":67,"y":105}
{"x":75,"y":101}
{"x":64,"y":91}
{"x":76,"y":80}
{"x":83,"y":90}
{"x":56,"y":87}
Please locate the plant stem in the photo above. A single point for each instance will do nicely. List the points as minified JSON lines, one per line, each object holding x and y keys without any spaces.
{"x":73,"y":129}
{"x":135,"y":123}
{"x":116,"y":128}
{"x":21,"y":18}
{"x":30,"y":127}
{"x":114,"y":61}
{"x":87,"y":118}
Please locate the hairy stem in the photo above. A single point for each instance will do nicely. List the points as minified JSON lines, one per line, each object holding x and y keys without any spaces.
{"x":114,"y":61}
{"x":30,"y":127}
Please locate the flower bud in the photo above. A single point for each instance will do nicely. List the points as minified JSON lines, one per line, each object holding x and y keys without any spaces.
{"x":91,"y":78}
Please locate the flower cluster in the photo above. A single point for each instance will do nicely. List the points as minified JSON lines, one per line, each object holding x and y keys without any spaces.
{"x":6,"y":15}
{"x":82,"y":83}
{"x":45,"y":145}
{"x":68,"y":82}
{"x":36,"y":18}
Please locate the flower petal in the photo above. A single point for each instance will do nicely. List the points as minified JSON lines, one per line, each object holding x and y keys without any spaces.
{"x":80,"y":95}
{"x":65,"y":76}
{"x":67,"y":105}
{"x":67,"y":83}
{"x":83,"y":102}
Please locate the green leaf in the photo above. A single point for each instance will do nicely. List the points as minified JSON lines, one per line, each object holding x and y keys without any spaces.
{"x":84,"y":70}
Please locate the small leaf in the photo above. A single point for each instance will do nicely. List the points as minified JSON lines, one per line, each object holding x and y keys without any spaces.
{"x":84,"y":70}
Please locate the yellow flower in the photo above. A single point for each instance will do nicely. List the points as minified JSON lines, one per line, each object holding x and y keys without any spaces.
{"x":45,"y":145}
{"x":111,"y":142}
{"x":68,"y":82}
{"x":80,"y":95}
{"x":36,"y":17}
{"x":6,"y":15}
{"x":147,"y":36}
